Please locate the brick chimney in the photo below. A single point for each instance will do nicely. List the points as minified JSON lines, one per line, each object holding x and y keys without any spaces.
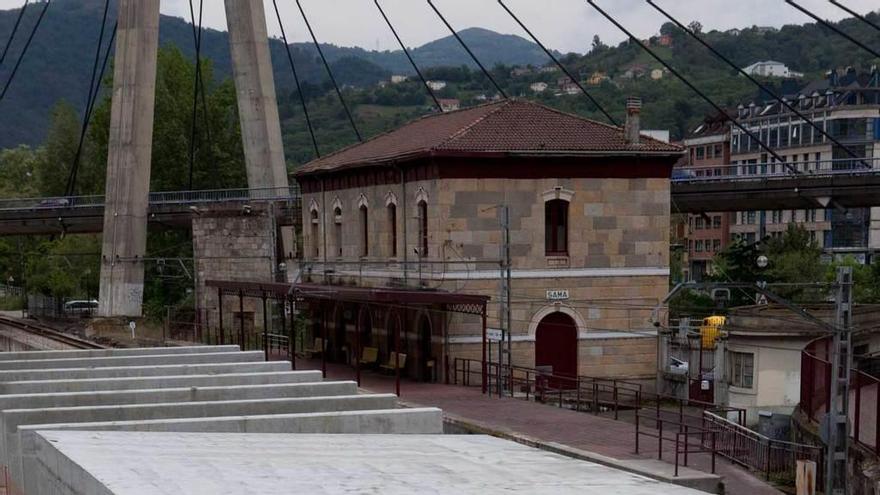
{"x":632,"y":128}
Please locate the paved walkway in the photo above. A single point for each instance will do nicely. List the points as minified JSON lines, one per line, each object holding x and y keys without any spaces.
{"x":596,"y":434}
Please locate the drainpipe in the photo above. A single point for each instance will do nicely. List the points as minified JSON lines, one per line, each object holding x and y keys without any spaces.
{"x":324,"y":228}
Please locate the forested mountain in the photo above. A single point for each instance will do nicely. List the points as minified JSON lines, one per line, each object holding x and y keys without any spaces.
{"x":59,"y":62}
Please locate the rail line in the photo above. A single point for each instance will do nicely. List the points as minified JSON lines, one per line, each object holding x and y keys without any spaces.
{"x":49,"y":333}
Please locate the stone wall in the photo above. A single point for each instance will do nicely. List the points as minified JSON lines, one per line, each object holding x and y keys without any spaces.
{"x":233,"y":248}
{"x":616,"y":270}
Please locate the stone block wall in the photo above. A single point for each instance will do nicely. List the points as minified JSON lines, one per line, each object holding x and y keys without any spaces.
{"x":233,"y":248}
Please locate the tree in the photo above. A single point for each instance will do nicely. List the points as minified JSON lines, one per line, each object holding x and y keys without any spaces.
{"x":53,"y":167}
{"x":597,"y":45}
{"x":696,"y":27}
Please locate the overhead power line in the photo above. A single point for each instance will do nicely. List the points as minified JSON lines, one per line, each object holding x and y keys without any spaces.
{"x":198,"y":89}
{"x":762,"y":87}
{"x":693,"y":88}
{"x":559,"y":64}
{"x":14,"y":30}
{"x":408,"y":56}
{"x":855,"y":14}
{"x":468,"y":50}
{"x":93,"y":93}
{"x":24,"y":50}
{"x":833,"y":28}
{"x":329,"y":72}
{"x":302,"y":98}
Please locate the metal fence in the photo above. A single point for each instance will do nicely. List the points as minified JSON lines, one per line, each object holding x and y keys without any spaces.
{"x":775,"y":459}
{"x":759,"y":171}
{"x":864,"y":407}
{"x":291,"y":193}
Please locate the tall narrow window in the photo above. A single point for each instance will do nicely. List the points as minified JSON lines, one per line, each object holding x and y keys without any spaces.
{"x":556,"y":227}
{"x":337,"y":231}
{"x":392,"y":230}
{"x":316,"y":242}
{"x":365,"y":232}
{"x":423,"y":229}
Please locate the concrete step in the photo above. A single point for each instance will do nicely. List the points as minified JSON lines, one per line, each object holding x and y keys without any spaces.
{"x":159,"y":382}
{"x":94,"y":353}
{"x":141,"y":371}
{"x":148,"y":360}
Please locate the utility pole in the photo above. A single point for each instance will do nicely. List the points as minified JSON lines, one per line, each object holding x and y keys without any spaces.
{"x":504,"y":311}
{"x":837,"y":420}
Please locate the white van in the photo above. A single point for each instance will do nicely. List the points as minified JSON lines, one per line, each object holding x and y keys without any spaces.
{"x":81,"y":308}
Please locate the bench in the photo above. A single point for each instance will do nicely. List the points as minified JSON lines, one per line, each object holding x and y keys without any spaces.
{"x":319,"y":347}
{"x":370,"y":356}
{"x":390,"y":366}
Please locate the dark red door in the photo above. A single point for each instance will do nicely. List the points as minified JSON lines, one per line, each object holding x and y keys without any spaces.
{"x":556,"y":344}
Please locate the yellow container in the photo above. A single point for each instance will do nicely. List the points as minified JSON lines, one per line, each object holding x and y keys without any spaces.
{"x":711,"y":330}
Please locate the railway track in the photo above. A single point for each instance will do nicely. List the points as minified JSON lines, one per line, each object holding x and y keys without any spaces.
{"x":49,"y":333}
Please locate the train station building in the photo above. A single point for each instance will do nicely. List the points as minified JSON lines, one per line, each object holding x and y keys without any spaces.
{"x":575,"y":210}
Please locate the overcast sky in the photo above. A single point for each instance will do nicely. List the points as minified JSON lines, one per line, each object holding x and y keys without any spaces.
{"x":566,"y":25}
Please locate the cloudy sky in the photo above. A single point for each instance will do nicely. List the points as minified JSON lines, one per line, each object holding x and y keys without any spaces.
{"x":566,"y":25}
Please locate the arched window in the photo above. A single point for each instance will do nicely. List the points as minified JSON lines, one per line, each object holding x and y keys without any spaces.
{"x":423,"y":228}
{"x":556,"y":227}
{"x":337,"y":230}
{"x":365,"y":231}
{"x":392,"y":230}
{"x":316,"y":243}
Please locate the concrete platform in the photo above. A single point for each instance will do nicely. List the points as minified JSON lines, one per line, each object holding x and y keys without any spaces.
{"x":93,"y":353}
{"x":158,"y":382}
{"x":12,"y":419}
{"x":139,"y":360}
{"x":142,"y":371}
{"x":100,"y":463}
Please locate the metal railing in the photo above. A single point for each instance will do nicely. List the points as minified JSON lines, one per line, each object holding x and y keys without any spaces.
{"x":681,"y":430}
{"x":777,"y":170}
{"x":581,"y":393}
{"x":291,"y":193}
{"x":864,"y":397}
{"x":775,"y":459}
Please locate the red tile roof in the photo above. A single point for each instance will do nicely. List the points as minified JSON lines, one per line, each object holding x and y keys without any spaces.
{"x":510,"y":127}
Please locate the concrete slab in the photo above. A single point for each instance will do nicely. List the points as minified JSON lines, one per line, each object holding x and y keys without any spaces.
{"x":158,"y":382}
{"x":141,"y":371}
{"x":92,"y":353}
{"x":171,"y":395}
{"x":12,"y":419}
{"x":181,"y":464}
{"x":150,"y":360}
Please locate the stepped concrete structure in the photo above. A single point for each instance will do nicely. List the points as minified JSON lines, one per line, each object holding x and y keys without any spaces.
{"x":95,"y":422}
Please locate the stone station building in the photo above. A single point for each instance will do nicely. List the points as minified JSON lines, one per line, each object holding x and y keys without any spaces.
{"x":421,"y":207}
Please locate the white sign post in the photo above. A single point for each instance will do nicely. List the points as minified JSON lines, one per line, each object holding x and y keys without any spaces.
{"x":132,"y":325}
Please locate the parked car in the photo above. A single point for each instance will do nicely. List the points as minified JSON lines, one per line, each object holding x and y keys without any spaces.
{"x":55,"y":202}
{"x":81,"y":308}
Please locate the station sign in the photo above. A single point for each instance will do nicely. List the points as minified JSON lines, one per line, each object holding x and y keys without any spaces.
{"x":558,"y":295}
{"x":495,"y":334}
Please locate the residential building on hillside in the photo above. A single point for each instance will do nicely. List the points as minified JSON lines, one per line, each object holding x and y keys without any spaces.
{"x":771,"y":68}
{"x":422,"y":208}
{"x":437,"y":85}
{"x":847,"y":105}
{"x":549,"y":69}
{"x":398,"y":78}
{"x":539,"y":87}
{"x":520,"y":71}
{"x":635,"y":71}
{"x":449,"y":104}
{"x":597,"y":78}
{"x":658,"y":74}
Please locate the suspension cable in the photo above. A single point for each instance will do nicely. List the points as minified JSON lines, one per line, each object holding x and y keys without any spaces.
{"x":198,"y":89}
{"x":694,"y":88}
{"x":25,"y":49}
{"x":92,"y":95}
{"x":468,"y":50}
{"x":408,"y":56}
{"x":834,"y":28}
{"x":329,"y":72}
{"x":855,"y":14}
{"x":302,"y":98}
{"x":757,"y":83}
{"x":559,"y":64}
{"x":14,"y":30}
